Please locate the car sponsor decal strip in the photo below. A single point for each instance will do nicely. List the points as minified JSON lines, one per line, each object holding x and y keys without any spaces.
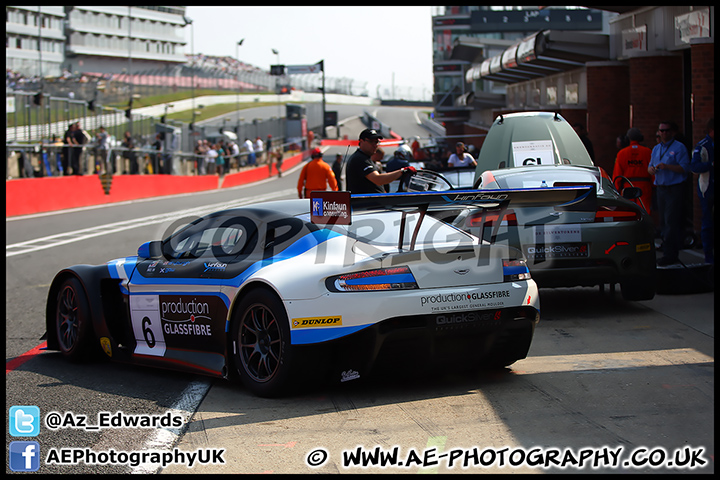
{"x":122,"y":267}
{"x":317,"y":335}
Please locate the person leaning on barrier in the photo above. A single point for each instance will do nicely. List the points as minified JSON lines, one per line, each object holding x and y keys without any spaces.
{"x":362,"y":174}
{"x":233,"y":155}
{"x":128,"y":153}
{"x":81,"y":137}
{"x":68,"y":142}
{"x":101,"y":148}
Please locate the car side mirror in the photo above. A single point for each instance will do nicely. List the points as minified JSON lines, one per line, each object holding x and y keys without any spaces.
{"x":150,"y":249}
{"x":631,"y":193}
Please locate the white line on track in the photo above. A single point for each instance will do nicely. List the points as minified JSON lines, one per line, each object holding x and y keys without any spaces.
{"x":164,"y":439}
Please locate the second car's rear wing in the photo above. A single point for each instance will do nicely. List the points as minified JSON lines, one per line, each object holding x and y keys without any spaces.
{"x":337,"y":207}
{"x":575,"y":198}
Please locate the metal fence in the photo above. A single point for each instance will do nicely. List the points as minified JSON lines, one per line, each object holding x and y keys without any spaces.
{"x":28,"y":161}
{"x":35,"y":128}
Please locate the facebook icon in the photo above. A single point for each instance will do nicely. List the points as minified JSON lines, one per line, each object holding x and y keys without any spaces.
{"x":24,"y":456}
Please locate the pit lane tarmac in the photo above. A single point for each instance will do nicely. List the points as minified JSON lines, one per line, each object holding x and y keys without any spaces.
{"x":603,"y":375}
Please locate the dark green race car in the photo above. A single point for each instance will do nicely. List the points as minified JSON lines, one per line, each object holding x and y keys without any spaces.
{"x":564,"y":248}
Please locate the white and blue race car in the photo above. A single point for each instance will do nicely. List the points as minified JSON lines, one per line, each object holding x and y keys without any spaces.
{"x":273,"y":293}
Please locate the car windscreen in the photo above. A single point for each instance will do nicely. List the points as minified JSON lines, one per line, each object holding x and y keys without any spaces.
{"x":382,"y":229}
{"x":222,"y":236}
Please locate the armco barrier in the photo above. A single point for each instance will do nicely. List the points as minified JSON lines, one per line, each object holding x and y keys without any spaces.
{"x":25,"y":196}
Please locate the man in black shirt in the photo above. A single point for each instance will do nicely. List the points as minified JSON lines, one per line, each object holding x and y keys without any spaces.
{"x":362,"y":174}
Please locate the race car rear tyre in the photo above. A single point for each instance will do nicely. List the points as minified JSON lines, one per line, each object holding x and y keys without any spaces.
{"x":73,"y":325}
{"x":261,"y":349}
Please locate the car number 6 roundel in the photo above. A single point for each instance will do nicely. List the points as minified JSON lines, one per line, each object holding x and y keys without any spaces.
{"x":146,"y":325}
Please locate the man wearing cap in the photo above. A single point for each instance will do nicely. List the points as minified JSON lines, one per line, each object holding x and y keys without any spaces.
{"x":362,"y":174}
{"x":632,"y":163}
{"x":316,"y":175}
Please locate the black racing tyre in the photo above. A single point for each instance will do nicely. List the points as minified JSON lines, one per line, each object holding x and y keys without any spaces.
{"x":684,"y":279}
{"x":261,"y":351}
{"x":73,"y":324}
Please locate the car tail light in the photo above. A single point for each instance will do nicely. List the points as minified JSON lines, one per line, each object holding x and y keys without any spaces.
{"x":515,"y":270}
{"x":608,"y":214}
{"x":492,"y":218}
{"x":395,"y":278}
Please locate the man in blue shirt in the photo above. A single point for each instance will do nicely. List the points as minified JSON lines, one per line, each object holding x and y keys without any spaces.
{"x":703,"y":163}
{"x":670,"y":163}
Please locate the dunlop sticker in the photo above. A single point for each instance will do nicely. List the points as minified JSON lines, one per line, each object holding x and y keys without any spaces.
{"x":643,"y":247}
{"x":317,"y":322}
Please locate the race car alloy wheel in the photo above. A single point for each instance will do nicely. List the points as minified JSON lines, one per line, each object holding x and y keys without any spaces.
{"x":261,"y":344}
{"x":72,"y":319}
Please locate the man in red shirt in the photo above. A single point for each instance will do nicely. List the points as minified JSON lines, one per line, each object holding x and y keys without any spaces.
{"x":316,"y":175}
{"x":632,"y":163}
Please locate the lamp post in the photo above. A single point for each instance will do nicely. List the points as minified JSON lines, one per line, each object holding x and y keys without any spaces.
{"x":277,"y":62}
{"x":188,"y":21}
{"x":237,"y":93}
{"x":130,"y":84}
{"x":322,"y":68}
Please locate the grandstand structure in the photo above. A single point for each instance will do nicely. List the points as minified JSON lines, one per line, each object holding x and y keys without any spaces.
{"x":135,"y":45}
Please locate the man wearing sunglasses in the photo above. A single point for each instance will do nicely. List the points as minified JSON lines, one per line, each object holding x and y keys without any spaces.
{"x":670,"y":163}
{"x":362,"y":174}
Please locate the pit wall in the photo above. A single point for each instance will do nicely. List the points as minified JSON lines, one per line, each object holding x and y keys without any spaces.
{"x":26,"y":196}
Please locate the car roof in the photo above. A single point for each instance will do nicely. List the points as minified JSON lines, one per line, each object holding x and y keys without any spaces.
{"x":291,"y":208}
{"x":509,"y":130}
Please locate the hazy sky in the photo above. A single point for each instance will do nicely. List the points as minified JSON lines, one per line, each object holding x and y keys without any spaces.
{"x":368,"y":44}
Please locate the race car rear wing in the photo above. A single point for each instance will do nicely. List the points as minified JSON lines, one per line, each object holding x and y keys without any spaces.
{"x":574,"y":198}
{"x":561,"y":199}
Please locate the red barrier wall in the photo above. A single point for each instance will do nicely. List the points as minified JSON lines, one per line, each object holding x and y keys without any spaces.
{"x":260,"y":173}
{"x":25,"y":196}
